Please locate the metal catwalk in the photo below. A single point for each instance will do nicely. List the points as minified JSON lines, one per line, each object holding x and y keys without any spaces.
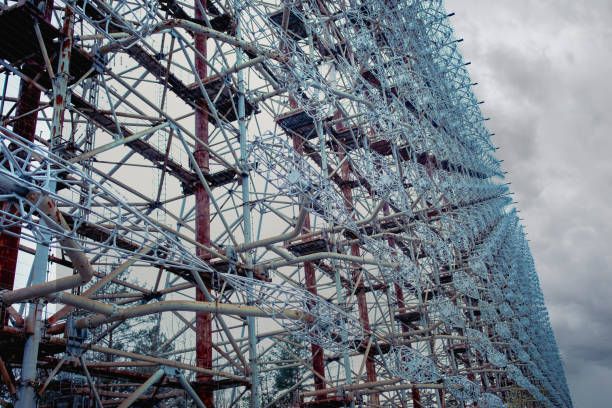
{"x":201,"y":201}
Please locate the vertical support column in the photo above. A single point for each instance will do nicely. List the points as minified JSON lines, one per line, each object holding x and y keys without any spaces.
{"x":318,"y":363}
{"x":440,"y":392}
{"x":27,"y":101}
{"x":244,"y":179}
{"x":399,"y":293}
{"x":202,"y":224}
{"x":347,"y":362}
{"x":345,"y":172}
{"x":27,"y":393}
{"x":9,"y":250}
{"x":60,"y":82}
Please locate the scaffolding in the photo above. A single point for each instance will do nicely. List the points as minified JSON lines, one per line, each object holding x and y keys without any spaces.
{"x":215,"y":181}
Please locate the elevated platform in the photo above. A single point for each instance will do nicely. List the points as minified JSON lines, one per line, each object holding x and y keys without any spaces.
{"x":146,"y":150}
{"x":221,"y":178}
{"x":211,"y":280}
{"x":187,"y":178}
{"x":384,"y":348}
{"x":220,"y":22}
{"x":12,"y":343}
{"x":412,"y":318}
{"x":459,"y":348}
{"x":308,"y":247}
{"x":446,"y":278}
{"x":99,"y":233}
{"x":348,"y":138}
{"x":223,"y":96}
{"x":295,"y":27}
{"x":18,"y":22}
{"x":297,"y":122}
{"x":23,"y":49}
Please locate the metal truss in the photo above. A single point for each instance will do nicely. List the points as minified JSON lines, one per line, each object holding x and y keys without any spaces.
{"x":242,"y":176}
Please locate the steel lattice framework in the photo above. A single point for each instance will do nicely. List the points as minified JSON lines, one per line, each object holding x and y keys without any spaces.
{"x":308,"y":175}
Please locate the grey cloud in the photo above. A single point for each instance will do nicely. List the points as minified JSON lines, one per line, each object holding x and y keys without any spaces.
{"x":543,"y":69}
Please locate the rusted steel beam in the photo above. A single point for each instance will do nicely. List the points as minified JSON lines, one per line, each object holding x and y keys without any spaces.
{"x":28,"y":101}
{"x":204,"y":348}
{"x":318,"y":363}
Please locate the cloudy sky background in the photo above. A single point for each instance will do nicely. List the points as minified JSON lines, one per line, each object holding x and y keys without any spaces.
{"x":543,"y":69}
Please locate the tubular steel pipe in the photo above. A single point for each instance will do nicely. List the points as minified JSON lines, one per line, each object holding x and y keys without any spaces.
{"x":278,"y":238}
{"x":189,"y":306}
{"x":7,"y":378}
{"x":346,"y":171}
{"x":190,"y":390}
{"x":14,"y":314}
{"x":92,"y":386}
{"x":109,"y":313}
{"x":246,"y":214}
{"x":46,"y":206}
{"x":327,"y":255}
{"x":209,"y":298}
{"x":316,"y":351}
{"x":83,"y":303}
{"x":373,"y":385}
{"x":370,"y":218}
{"x":142,"y":389}
{"x":55,"y":370}
{"x":205,"y":31}
{"x":72,"y":249}
{"x":101,"y":283}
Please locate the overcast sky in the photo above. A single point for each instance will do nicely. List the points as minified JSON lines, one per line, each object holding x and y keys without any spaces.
{"x":544,"y":70}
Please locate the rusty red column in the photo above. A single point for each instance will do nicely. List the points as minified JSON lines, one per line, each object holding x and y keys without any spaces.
{"x":399,"y":293}
{"x":202,"y":226}
{"x":9,"y":249}
{"x":28,"y":101}
{"x":318,"y":363}
{"x":345,"y":173}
